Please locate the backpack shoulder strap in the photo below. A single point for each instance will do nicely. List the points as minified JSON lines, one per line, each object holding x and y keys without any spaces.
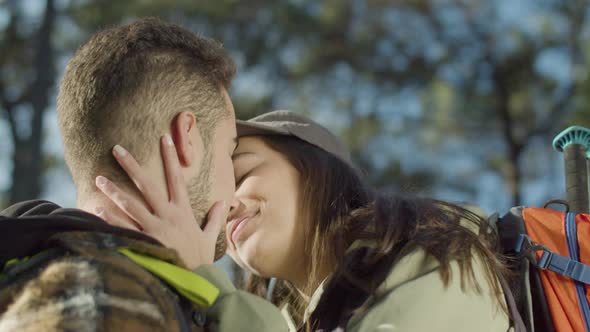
{"x":526,"y":286}
{"x":515,"y":316}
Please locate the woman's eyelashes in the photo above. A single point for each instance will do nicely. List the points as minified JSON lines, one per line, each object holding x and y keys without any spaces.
{"x":244,"y":164}
{"x":241,"y":178}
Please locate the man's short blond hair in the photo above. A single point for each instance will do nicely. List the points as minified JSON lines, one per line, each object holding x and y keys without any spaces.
{"x":126,"y":84}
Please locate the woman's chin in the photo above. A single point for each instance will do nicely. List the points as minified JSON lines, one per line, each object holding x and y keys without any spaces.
{"x":248,"y":260}
{"x":251,"y":268}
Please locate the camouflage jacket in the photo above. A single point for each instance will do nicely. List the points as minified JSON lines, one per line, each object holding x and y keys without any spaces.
{"x":75,"y":278}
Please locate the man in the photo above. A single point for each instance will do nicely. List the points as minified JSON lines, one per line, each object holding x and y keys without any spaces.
{"x":65,"y":269}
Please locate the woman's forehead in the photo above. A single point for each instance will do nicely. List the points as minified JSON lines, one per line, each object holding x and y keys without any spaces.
{"x":251,"y":147}
{"x":251,"y":144}
{"x":256,"y":147}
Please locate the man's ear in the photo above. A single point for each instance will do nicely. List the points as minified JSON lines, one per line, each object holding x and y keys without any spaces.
{"x":188,"y":145}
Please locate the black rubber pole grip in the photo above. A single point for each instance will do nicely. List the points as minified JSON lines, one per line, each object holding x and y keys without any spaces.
{"x":576,"y":177}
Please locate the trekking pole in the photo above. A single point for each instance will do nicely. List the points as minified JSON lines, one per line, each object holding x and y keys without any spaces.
{"x":575,"y":144}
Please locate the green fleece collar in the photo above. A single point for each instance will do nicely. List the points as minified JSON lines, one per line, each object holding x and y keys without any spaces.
{"x":195,"y":288}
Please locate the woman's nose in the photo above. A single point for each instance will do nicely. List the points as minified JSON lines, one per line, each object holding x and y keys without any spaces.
{"x":235,"y":207}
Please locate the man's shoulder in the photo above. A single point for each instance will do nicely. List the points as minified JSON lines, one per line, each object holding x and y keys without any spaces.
{"x":75,"y":292}
{"x":89,"y":285}
{"x":31,"y":207}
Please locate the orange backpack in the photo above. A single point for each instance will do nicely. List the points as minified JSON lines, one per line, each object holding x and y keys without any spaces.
{"x":551,"y":255}
{"x":550,"y":249}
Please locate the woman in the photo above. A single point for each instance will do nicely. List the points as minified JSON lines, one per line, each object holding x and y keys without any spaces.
{"x":349,"y":258}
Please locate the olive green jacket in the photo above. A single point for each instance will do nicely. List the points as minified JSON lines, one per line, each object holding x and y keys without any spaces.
{"x":237,"y":310}
{"x":414,"y":298}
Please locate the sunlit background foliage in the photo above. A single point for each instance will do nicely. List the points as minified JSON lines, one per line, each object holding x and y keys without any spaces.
{"x":454,"y":99}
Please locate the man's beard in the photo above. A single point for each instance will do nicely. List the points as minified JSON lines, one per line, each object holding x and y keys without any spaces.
{"x":198,"y":191}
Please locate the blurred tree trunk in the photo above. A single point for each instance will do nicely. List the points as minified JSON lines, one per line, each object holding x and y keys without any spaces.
{"x":27,"y":154}
{"x":514,"y":74}
{"x":514,"y":148}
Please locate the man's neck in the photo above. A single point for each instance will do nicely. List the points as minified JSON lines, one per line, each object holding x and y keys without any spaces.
{"x":94,"y":203}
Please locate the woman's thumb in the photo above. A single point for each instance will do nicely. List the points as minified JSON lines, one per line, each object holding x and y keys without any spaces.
{"x":216,"y":218}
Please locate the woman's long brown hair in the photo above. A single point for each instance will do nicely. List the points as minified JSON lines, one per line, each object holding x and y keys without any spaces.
{"x":342,"y":210}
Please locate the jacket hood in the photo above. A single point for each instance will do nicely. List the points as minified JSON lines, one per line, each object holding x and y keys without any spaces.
{"x":26,"y":227}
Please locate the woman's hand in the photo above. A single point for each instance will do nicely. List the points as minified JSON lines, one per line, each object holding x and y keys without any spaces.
{"x":169,"y":217}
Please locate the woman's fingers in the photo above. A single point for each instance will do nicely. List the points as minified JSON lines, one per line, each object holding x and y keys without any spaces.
{"x":155,"y":198}
{"x":177,"y":190}
{"x":127,"y":203}
{"x":114,"y":220}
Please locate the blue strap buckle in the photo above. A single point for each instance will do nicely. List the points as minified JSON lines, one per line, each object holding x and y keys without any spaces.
{"x":551,"y":261}
{"x":546,"y":258}
{"x":529,"y":248}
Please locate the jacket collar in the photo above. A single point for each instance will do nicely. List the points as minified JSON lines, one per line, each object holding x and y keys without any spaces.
{"x":414,"y":265}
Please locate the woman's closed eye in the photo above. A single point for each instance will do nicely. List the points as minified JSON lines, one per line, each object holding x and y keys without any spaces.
{"x":244,"y":165}
{"x":242,"y":177}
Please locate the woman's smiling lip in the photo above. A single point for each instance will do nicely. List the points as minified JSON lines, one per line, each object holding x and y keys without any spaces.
{"x":238,"y":224}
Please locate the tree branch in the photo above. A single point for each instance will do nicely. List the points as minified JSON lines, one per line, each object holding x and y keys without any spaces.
{"x":11,"y":38}
{"x":8,"y":108}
